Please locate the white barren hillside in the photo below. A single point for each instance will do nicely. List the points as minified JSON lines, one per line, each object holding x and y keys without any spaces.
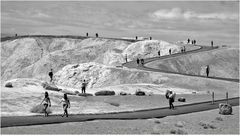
{"x":223,"y":62}
{"x":34,"y":57}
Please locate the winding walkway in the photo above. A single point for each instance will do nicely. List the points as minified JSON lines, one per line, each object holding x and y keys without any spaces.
{"x":141,"y":114}
{"x":133,"y":64}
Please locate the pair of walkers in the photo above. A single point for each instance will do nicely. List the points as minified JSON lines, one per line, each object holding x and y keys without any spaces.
{"x":47,"y":103}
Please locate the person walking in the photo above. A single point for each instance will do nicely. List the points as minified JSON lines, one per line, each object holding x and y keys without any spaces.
{"x":66,"y":104}
{"x":136,"y":38}
{"x":126,"y":58}
{"x":51,"y":75}
{"x":184,"y":49}
{"x":207,"y":70}
{"x":46,"y":102}
{"x":212,"y":44}
{"x":142,"y":62}
{"x":97,"y":35}
{"x":87,"y":34}
{"x":150,"y":38}
{"x":194,"y":42}
{"x":171,"y":100}
{"x":84,"y":85}
{"x":138,"y":61}
{"x":170,"y":51}
{"x":188,"y":41}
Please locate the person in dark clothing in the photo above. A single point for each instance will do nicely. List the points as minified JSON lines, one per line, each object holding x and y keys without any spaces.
{"x":142,"y":61}
{"x":207,"y":70}
{"x":188,"y":41}
{"x":192,"y":42}
{"x":159,"y":53}
{"x":51,"y":75}
{"x":84,"y":85}
{"x":136,"y":38}
{"x":138,"y":61}
{"x":181,"y":50}
{"x":184,"y":49}
{"x":87,"y":34}
{"x":96,"y":34}
{"x":171,"y":100}
{"x":170,"y":51}
{"x":150,"y":38}
{"x":212,"y":43}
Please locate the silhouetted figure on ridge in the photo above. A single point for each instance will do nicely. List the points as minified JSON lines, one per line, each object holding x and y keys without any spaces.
{"x":192,"y":42}
{"x":212,"y":43}
{"x":159,"y":53}
{"x":150,"y":38}
{"x":87,"y":34}
{"x":184,"y":49}
{"x":170,"y":51}
{"x":188,"y":41}
{"x":136,"y":38}
{"x":96,"y":34}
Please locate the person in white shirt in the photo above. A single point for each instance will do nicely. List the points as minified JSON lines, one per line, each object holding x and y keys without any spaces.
{"x":66,"y":104}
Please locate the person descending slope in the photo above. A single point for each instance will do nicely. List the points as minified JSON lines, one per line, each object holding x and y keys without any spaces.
{"x":51,"y":75}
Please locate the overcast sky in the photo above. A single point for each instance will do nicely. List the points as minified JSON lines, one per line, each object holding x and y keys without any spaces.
{"x":170,"y":21}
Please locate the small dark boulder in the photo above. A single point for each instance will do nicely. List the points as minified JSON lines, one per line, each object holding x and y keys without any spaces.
{"x":105,"y":93}
{"x":123,"y":93}
{"x":84,"y":94}
{"x":225,"y":109}
{"x":140,"y":93}
{"x":9,"y":85}
{"x":181,"y":99}
{"x":50,"y":87}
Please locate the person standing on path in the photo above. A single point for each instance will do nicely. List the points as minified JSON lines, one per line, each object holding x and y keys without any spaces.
{"x":84,"y":85}
{"x":170,"y":51}
{"x":126,"y":58}
{"x":46,"y":102}
{"x":188,"y":41}
{"x":86,"y":34}
{"x":142,"y":62}
{"x":138,"y":61}
{"x":184,"y":49}
{"x":171,"y":100}
{"x":96,"y":35}
{"x":207,"y":70}
{"x":212,"y":44}
{"x":51,"y":75}
{"x":66,"y":104}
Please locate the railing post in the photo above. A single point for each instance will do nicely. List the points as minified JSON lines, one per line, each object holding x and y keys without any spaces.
{"x":212,"y":97}
{"x":227,"y":97}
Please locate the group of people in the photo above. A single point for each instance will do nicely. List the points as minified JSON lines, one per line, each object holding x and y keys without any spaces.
{"x":47,"y":103}
{"x":95,"y":34}
{"x":140,"y":60}
{"x":193,"y":41}
{"x":183,"y":49}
